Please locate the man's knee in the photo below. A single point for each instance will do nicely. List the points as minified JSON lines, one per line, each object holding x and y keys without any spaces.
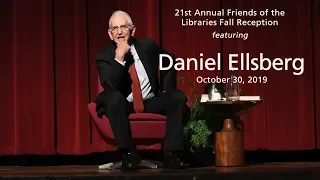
{"x":178,"y":95}
{"x":114,"y":98}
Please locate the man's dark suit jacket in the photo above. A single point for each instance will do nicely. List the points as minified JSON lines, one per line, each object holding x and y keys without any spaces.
{"x":115,"y":77}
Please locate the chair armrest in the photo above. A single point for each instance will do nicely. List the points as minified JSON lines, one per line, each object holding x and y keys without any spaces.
{"x":189,"y":104}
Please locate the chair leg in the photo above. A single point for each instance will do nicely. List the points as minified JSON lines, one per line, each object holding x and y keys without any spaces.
{"x":110,"y":166}
{"x":144,"y":163}
{"x":150,"y":164}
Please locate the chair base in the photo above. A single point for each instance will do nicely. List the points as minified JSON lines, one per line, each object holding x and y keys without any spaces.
{"x":144,"y":163}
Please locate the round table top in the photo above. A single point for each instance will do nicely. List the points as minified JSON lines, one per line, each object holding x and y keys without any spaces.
{"x":225,"y":106}
{"x":238,"y":102}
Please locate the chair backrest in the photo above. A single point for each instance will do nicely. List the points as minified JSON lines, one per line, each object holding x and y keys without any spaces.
{"x":100,"y":88}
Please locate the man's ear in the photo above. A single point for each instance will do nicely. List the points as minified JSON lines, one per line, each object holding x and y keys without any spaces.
{"x":110,"y":35}
{"x":133,"y":31}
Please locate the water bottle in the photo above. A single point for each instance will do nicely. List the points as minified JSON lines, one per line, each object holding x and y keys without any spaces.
{"x":213,"y":92}
{"x":232,"y":88}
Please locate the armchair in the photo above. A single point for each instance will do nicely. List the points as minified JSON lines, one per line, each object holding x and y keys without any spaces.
{"x":146,"y":129}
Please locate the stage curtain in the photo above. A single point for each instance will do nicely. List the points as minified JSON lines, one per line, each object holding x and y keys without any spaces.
{"x":315,"y":16}
{"x":71,"y":76}
{"x":27,"y":77}
{"x":48,"y":72}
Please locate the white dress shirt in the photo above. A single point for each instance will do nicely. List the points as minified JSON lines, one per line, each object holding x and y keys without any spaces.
{"x":142,"y":75}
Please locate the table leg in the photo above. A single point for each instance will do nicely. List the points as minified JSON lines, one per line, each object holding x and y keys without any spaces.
{"x":229,"y":145}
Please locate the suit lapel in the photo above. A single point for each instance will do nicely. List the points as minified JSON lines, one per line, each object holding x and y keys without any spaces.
{"x":113,"y":49}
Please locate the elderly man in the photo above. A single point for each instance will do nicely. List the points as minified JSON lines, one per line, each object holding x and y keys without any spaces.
{"x":128,"y":70}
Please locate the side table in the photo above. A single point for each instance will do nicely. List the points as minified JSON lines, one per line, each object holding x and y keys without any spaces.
{"x":229,"y":142}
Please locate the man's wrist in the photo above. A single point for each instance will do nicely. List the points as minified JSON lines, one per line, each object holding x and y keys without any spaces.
{"x":119,"y":57}
{"x":121,"y":62}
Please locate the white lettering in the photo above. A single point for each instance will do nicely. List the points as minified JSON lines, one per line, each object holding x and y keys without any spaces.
{"x":241,"y":61}
{"x":300,"y":68}
{"x":179,"y":62}
{"x":231,"y":61}
{"x":161,"y":64}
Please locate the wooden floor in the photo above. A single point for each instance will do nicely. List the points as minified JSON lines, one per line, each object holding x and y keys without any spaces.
{"x":297,"y":170}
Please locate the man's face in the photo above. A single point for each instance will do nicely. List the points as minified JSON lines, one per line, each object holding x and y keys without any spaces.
{"x":120,"y":29}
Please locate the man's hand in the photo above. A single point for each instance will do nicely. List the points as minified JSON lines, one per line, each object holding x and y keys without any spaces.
{"x":122,"y":48}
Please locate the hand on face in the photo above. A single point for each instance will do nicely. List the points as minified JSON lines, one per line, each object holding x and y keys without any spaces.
{"x":122,"y":48}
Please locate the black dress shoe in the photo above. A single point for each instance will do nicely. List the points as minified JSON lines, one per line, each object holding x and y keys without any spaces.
{"x":130,"y":161}
{"x":172,"y":161}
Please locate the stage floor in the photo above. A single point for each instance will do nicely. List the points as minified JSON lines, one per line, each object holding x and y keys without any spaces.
{"x":299,"y":170}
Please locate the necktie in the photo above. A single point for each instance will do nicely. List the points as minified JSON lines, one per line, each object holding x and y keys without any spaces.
{"x":136,"y":90}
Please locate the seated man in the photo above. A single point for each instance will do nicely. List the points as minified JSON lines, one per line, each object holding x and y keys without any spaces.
{"x":128,"y":70}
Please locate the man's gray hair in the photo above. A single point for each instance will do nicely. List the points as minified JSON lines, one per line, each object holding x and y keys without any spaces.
{"x":117,"y":13}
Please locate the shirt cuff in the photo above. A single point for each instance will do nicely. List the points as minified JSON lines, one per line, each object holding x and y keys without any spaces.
{"x":121,"y":62}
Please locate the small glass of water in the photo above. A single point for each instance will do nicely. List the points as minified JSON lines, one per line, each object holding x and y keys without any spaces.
{"x":232,"y":89}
